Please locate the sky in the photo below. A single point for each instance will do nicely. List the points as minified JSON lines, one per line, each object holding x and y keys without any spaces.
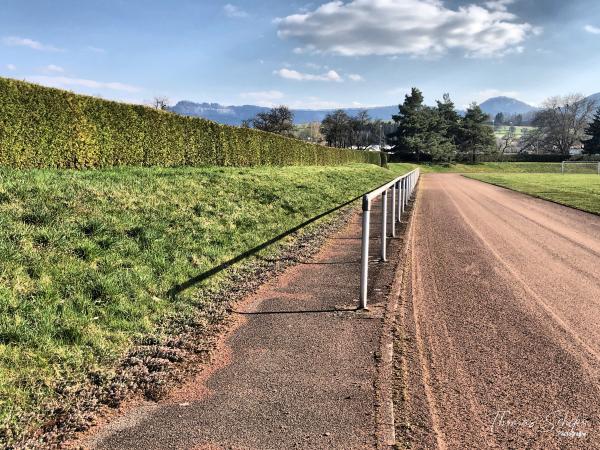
{"x":320,"y":54}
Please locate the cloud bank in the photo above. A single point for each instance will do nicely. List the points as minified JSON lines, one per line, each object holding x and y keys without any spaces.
{"x":406,"y":27}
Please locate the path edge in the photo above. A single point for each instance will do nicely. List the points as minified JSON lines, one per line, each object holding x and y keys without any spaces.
{"x":384,"y":387}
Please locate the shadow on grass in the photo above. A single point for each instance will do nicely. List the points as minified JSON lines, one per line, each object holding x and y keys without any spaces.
{"x":175,"y":290}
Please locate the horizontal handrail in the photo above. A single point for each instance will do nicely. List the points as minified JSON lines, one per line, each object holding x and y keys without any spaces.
{"x":373,"y":194}
{"x":402,"y":190}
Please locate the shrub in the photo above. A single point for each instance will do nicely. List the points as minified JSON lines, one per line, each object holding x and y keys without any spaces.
{"x":42,"y":127}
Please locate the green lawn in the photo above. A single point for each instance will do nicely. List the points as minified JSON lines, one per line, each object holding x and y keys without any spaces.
{"x":579,"y":191}
{"x":87,"y":258}
{"x":494,"y":167}
{"x":519,"y":131}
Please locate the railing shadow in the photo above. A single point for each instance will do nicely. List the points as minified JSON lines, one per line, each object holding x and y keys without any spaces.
{"x":316,"y":311}
{"x":175,"y":290}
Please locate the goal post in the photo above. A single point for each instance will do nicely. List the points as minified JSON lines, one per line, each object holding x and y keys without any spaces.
{"x":582,"y":167}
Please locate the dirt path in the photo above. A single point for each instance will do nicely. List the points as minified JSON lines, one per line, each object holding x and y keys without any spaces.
{"x":500,"y":340}
{"x":298,"y":370}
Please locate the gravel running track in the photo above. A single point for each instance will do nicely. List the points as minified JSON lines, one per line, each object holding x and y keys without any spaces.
{"x":499,"y":330}
{"x":299,"y":369}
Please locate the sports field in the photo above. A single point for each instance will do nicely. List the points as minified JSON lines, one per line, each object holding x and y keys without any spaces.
{"x":578,"y":191}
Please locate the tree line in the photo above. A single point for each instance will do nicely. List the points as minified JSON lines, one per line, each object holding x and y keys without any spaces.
{"x":440,"y":134}
{"x":418,"y":132}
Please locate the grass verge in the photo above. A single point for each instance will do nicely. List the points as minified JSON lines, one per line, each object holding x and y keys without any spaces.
{"x":578,"y":191}
{"x":87,"y":259}
{"x":494,"y":167}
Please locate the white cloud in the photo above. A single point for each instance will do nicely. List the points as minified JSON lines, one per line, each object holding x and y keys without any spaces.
{"x":498,"y":5}
{"x":592,"y":29}
{"x":11,"y":67}
{"x":290,"y":74}
{"x":356,"y":77}
{"x":406,"y":27}
{"x":15,"y":41}
{"x":315,"y":103}
{"x":234,"y":12}
{"x":52,"y":68}
{"x":93,"y":49}
{"x":263,"y":98}
{"x":396,"y":92}
{"x":68,"y":82}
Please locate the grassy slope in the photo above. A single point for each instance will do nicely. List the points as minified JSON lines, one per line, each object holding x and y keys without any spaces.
{"x":579,"y":191}
{"x":87,"y":257}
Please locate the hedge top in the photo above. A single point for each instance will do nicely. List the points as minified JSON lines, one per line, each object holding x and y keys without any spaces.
{"x":43,"y":127}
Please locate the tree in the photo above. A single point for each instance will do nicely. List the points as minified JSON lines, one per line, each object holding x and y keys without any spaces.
{"x":499,"y":120}
{"x":278,"y":120}
{"x":506,"y":142}
{"x":161,"y":103}
{"x":412,"y":123}
{"x":592,"y":144}
{"x":426,"y":131}
{"x":562,"y":122}
{"x":450,"y":117}
{"x":475,"y":136}
{"x":519,"y":120}
{"x":336,"y":129}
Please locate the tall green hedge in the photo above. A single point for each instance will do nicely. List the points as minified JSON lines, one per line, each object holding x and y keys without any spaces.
{"x":42,"y":127}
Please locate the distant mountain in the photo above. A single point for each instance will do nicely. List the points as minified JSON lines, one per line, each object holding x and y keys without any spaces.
{"x":506,"y":105}
{"x":234,"y":115}
{"x":596,"y":98}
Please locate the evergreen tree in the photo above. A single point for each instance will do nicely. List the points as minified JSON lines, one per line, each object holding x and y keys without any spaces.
{"x":592,"y":145}
{"x":475,"y":135}
{"x":424,"y":131}
{"x":499,"y":120}
{"x":412,"y":122}
{"x":451,"y":119}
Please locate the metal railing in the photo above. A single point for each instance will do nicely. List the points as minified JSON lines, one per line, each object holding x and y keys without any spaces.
{"x":402,"y":189}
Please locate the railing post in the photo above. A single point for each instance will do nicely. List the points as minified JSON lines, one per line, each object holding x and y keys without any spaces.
{"x":364,"y":259}
{"x":394,"y":211}
{"x":384,"y":208}
{"x":399,"y":207}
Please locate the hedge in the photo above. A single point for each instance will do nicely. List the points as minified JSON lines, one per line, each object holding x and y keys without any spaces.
{"x":42,"y":127}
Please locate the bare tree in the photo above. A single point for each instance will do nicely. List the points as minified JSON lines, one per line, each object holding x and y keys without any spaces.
{"x":506,"y":142}
{"x":562,"y":122}
{"x":161,"y":103}
{"x":278,"y":120}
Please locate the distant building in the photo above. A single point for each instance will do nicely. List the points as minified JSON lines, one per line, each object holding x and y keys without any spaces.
{"x":378,"y":148}
{"x":576,"y":150}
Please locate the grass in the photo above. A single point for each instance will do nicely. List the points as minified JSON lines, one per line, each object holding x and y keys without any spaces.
{"x":87,"y":257}
{"x":494,"y":167}
{"x":578,"y":191}
{"x":519,"y":130}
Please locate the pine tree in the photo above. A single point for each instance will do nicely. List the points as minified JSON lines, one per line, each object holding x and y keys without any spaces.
{"x":475,"y":135}
{"x":499,"y":120}
{"x":412,"y":123}
{"x":592,"y":145}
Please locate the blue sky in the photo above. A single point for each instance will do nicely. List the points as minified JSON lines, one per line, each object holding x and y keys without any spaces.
{"x":305,"y":54}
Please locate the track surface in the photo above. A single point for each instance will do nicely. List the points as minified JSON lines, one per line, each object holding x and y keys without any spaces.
{"x":501,"y":343}
{"x":299,"y":369}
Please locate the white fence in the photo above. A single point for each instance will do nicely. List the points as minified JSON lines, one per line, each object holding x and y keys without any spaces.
{"x":402,"y":189}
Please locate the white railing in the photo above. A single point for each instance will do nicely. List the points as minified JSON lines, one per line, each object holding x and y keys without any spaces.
{"x":594,"y":164}
{"x":402,"y":190}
